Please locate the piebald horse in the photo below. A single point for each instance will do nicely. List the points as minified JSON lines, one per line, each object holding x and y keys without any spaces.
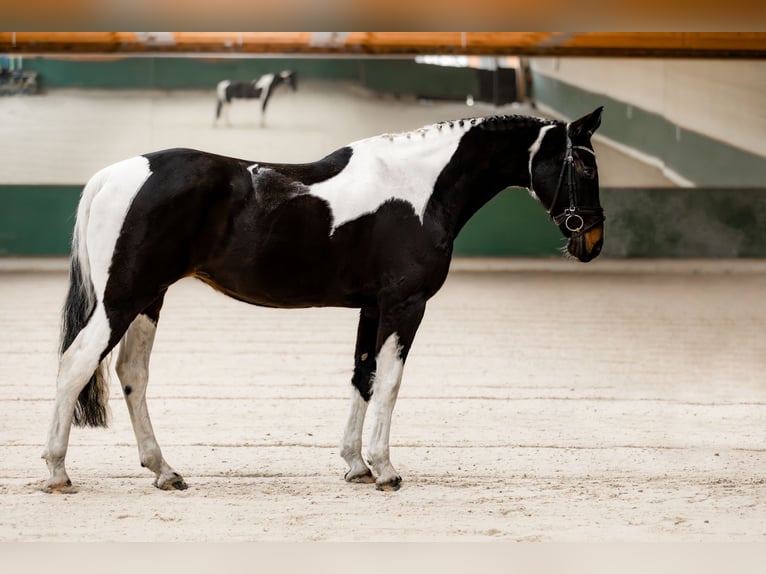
{"x":261,"y":89}
{"x":370,"y":226}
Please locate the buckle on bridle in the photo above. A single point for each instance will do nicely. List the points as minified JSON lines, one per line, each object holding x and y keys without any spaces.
{"x":572,"y":221}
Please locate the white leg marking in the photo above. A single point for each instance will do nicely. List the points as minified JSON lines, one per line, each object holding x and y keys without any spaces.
{"x":351,"y":447}
{"x":133,"y":369}
{"x":533,"y":149}
{"x":385,"y":389}
{"x":76,"y":366}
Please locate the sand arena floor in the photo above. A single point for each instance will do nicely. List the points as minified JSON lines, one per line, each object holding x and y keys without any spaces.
{"x":543,"y":400}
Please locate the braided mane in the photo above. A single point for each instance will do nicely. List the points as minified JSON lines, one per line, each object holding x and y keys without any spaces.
{"x":499,"y":122}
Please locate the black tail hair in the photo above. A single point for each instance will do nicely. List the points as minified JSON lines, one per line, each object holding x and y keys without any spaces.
{"x":218,"y":108}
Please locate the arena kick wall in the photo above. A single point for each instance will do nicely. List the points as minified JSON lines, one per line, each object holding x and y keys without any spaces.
{"x":641,"y":222}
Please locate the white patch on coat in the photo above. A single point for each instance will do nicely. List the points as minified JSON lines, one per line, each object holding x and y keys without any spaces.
{"x":533,"y":149}
{"x":109,"y":203}
{"x":221,"y":90}
{"x":79,"y":243}
{"x":403,"y":166}
{"x":264,"y":82}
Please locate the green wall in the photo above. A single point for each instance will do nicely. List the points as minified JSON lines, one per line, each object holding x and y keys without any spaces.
{"x":37,"y":220}
{"x":387,"y":75}
{"x":511,"y":224}
{"x":672,"y":222}
{"x":705,"y":161}
{"x":685,"y":222}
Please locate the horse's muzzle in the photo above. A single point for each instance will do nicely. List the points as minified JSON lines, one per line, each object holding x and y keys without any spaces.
{"x":586,"y":246}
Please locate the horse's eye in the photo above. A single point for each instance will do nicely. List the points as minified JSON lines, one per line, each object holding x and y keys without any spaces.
{"x":588,"y":172}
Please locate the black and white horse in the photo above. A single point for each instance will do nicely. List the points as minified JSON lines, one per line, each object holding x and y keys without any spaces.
{"x":260,"y":89}
{"x":370,"y":226}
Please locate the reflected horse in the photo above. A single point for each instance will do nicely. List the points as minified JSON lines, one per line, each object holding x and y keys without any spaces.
{"x":261,"y":89}
{"x":370,"y":226}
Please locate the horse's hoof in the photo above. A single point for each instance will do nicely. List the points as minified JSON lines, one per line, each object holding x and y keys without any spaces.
{"x":175,"y":482}
{"x":390,"y":485}
{"x":64,"y":487}
{"x":364,"y":477}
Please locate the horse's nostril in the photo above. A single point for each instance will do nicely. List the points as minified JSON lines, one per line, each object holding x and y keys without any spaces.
{"x":597,"y":248}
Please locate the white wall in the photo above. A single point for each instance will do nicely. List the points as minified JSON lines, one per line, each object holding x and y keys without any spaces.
{"x":722,"y":99}
{"x":65,"y":136}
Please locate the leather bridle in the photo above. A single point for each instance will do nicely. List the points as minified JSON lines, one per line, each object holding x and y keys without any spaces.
{"x":572,"y":216}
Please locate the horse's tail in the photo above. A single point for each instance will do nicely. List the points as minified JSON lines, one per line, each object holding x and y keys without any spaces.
{"x":91,"y":407}
{"x":220,"y":93}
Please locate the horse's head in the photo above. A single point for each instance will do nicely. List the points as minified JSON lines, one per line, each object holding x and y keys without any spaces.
{"x":290,"y":76}
{"x":565,"y":179}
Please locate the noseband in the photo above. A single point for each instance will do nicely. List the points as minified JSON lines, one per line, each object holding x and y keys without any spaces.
{"x":572,"y":216}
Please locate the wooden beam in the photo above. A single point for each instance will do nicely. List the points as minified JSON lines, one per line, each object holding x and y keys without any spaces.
{"x":601,"y":44}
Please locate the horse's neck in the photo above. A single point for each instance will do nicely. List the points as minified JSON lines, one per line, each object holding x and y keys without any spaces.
{"x":449,"y":170}
{"x":485,"y":163}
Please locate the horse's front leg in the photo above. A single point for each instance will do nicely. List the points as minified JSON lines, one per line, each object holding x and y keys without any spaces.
{"x":398,"y":325}
{"x":364,"y":368}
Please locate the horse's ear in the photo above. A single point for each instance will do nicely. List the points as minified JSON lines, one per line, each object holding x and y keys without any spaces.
{"x":587,"y":124}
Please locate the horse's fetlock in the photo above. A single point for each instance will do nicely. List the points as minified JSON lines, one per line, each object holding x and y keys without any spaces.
{"x":152,"y":464}
{"x":377,"y":456}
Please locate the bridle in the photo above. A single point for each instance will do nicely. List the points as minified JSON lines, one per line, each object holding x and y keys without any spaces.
{"x":571,"y":217}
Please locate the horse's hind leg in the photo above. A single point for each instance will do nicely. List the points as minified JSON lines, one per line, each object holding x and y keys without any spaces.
{"x":76,"y":367}
{"x":364,"y":368}
{"x":133,"y":369}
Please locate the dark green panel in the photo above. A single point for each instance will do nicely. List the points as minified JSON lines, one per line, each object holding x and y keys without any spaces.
{"x":511,"y":224}
{"x":177,"y":73}
{"x":119,"y":73}
{"x":409,"y":77}
{"x":37,"y":220}
{"x":657,"y":222}
{"x":683,"y":222}
{"x":703,"y":160}
{"x":402,"y":76}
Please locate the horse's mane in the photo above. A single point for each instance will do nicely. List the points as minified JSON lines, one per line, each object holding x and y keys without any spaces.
{"x":498,"y":122}
{"x":505,"y":122}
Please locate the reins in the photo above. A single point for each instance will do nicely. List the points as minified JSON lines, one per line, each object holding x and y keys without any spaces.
{"x":571,"y":216}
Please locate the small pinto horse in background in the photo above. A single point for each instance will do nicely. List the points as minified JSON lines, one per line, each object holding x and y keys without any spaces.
{"x":260,"y":89}
{"x":370,"y":226}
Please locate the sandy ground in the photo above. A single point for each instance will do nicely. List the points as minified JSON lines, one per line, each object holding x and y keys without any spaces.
{"x":543,"y":401}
